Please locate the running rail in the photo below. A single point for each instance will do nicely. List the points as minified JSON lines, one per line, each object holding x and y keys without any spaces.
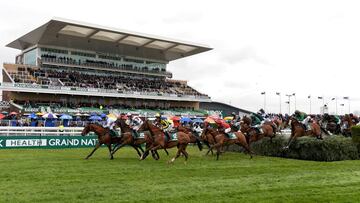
{"x":29,"y":131}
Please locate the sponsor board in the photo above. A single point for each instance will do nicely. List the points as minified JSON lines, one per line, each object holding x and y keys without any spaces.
{"x":7,"y":142}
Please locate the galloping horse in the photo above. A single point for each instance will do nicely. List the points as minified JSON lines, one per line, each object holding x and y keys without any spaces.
{"x":329,"y":125}
{"x":219,"y":139}
{"x":103,"y":135}
{"x":160,"y":142}
{"x":193,"y":138}
{"x":278,"y":123}
{"x":127,"y":138}
{"x":252,"y":134}
{"x":346,"y":125}
{"x":298,"y":130}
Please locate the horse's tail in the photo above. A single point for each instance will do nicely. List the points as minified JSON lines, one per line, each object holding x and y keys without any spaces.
{"x":198,"y":142}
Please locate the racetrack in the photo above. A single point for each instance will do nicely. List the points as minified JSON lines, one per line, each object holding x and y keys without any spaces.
{"x":64,"y":176}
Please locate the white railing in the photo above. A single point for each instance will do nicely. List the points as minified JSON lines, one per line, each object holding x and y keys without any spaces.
{"x":29,"y":131}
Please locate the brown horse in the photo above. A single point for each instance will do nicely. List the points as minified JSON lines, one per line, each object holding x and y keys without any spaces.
{"x":128,"y":139}
{"x":193,"y":138}
{"x":298,"y":130}
{"x":220,"y":140}
{"x":160,"y":142}
{"x":103,"y":135}
{"x":251,"y":132}
{"x":346,"y":124}
{"x":278,"y":124}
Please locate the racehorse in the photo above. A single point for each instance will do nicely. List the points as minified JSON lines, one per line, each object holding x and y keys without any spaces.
{"x":346,"y":125}
{"x":278,"y":123}
{"x":298,"y":130}
{"x":251,"y":132}
{"x":193,"y":138}
{"x":330,"y":125}
{"x":219,"y":139}
{"x":128,"y":139}
{"x":103,"y":135}
{"x":161,"y":142}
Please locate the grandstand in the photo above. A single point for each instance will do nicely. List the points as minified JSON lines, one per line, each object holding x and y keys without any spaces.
{"x":66,"y":64}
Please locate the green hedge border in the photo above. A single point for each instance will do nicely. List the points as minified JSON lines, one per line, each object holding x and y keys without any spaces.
{"x":334,"y":148}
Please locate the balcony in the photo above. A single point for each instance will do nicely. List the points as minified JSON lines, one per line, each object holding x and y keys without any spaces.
{"x":98,"y":66}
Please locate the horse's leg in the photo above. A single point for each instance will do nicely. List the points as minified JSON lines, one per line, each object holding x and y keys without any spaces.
{"x":153,"y":154}
{"x":141,"y":149}
{"x":167,"y":153}
{"x":218,"y":149}
{"x":177,"y":154}
{"x":150,"y":148}
{"x":185,"y":153}
{"x":157,"y":154}
{"x":146,"y":152}
{"x":118,"y":147}
{"x":111,"y":155}
{"x":96,"y":147}
{"x":208,"y":145}
{"x":292,"y":138}
{"x":136,"y":147}
{"x":246,"y":146}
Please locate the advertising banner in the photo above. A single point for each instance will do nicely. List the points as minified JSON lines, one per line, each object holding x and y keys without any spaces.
{"x":7,"y":142}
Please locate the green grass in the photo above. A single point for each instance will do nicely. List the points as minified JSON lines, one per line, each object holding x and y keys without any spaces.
{"x":64,"y":176}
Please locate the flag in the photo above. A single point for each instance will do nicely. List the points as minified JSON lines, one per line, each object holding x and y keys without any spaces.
{"x":342,"y":105}
{"x":346,"y":97}
{"x":262,"y":93}
{"x":277,"y":93}
{"x":309,"y":97}
{"x":319,"y":97}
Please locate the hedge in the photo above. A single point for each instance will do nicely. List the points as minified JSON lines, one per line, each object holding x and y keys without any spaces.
{"x":334,"y":148}
{"x":355,"y":135}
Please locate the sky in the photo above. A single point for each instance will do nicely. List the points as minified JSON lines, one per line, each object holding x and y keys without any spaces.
{"x":308,"y":47}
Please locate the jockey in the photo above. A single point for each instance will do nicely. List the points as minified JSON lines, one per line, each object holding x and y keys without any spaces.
{"x":197,"y":129}
{"x":223,"y":127}
{"x":110,"y":124}
{"x":303,"y":118}
{"x":163,"y":124}
{"x":332,"y":118}
{"x":235,"y":122}
{"x":256,"y":122}
{"x":134,"y":122}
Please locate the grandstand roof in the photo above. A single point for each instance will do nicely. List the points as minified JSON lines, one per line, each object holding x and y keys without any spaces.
{"x":85,"y":36}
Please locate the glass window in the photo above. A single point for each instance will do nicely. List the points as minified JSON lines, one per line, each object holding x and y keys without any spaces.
{"x":30,"y":57}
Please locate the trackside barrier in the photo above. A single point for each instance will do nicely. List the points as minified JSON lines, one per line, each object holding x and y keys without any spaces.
{"x":44,"y":137}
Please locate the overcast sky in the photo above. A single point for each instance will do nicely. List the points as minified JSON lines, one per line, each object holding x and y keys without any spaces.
{"x":303,"y":47}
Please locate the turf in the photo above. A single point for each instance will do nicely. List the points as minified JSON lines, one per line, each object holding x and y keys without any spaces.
{"x":64,"y":176}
